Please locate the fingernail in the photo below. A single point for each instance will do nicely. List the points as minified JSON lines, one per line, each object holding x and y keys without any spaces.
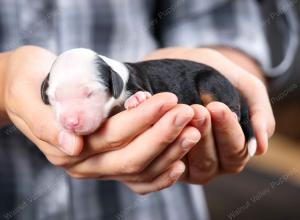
{"x":177,"y":171}
{"x":181,"y":120}
{"x":67,"y":142}
{"x":188,"y":143}
{"x":252,"y":146}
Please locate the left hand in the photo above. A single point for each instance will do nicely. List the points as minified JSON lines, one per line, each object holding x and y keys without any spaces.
{"x":222,"y":148}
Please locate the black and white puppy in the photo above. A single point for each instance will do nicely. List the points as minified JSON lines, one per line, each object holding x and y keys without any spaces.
{"x":84,"y":87}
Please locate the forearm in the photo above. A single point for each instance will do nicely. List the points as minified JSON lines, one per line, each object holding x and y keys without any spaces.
{"x":4,"y":119}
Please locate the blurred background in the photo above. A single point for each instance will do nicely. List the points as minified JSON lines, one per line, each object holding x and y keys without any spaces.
{"x":269,"y":188}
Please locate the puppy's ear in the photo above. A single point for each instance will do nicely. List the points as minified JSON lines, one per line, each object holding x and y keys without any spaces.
{"x":44,"y":88}
{"x":117,"y":84}
{"x":111,"y":79}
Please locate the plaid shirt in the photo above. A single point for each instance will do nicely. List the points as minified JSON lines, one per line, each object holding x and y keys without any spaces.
{"x":127,"y":30}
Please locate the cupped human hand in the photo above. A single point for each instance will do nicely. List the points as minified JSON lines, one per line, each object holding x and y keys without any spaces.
{"x":141,"y":147}
{"x":222,"y":148}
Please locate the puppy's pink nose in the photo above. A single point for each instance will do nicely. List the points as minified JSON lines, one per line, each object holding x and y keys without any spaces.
{"x":71,"y":122}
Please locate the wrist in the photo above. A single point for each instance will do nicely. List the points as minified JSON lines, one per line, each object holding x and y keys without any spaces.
{"x":4,"y":119}
{"x":242,"y":60}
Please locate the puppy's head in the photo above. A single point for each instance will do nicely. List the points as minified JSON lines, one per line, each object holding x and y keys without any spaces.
{"x":83,"y":87}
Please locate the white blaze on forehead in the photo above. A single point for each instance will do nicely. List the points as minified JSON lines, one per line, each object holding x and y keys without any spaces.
{"x":75,"y":62}
{"x":73,"y":68}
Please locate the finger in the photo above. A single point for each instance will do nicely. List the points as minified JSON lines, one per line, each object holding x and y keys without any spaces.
{"x":261,"y":114}
{"x":123,"y":127}
{"x":186,"y":140}
{"x":253,"y":90}
{"x":202,"y":159}
{"x":165,"y":180}
{"x":138,"y":154}
{"x":229,"y":138}
{"x":261,"y":132}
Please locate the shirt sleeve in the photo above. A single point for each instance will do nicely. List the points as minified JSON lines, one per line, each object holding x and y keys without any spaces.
{"x":235,"y":24}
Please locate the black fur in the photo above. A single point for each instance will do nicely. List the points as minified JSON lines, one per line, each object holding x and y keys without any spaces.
{"x":110,"y":78}
{"x":44,"y":87}
{"x":188,"y":80}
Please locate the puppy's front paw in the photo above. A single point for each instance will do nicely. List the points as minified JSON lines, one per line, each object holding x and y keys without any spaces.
{"x":136,"y":99}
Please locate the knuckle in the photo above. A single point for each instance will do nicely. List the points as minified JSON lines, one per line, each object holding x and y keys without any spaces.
{"x":236,"y":158}
{"x":131,"y":169}
{"x":167,"y":139}
{"x":113,"y":142}
{"x":237,"y":153}
{"x":207,"y":165}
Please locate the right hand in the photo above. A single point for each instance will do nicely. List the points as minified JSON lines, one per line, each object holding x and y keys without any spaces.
{"x":142,"y":147}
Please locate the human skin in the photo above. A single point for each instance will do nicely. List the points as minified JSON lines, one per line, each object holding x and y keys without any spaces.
{"x":164,"y":141}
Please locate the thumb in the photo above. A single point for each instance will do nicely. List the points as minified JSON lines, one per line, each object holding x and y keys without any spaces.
{"x":37,"y":121}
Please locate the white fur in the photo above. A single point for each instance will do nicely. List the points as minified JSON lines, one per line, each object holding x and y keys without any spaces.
{"x":69,"y":66}
{"x":68,"y":69}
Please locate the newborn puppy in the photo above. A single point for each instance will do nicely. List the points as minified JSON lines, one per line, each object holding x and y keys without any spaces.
{"x":84,"y":87}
